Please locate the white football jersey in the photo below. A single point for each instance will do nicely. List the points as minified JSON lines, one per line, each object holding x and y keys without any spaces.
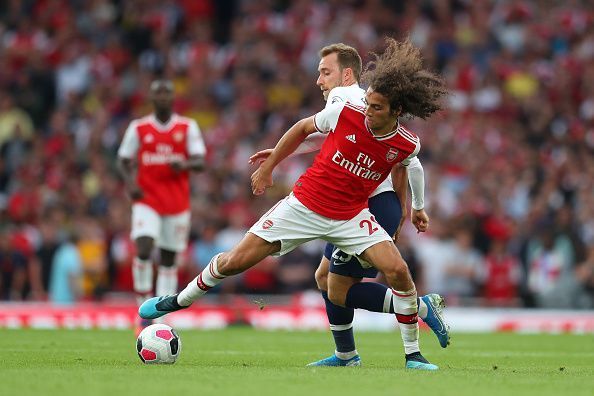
{"x":355,"y":94}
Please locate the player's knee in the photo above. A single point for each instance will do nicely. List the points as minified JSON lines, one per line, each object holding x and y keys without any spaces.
{"x":224,"y":264}
{"x":397,"y":272}
{"x":321,"y":279}
{"x":167,"y":259}
{"x":337,"y":297}
{"x":143,"y":251}
{"x":232,"y":263}
{"x":144,"y":247}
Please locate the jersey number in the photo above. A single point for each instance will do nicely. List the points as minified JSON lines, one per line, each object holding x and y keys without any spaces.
{"x":370,"y":224}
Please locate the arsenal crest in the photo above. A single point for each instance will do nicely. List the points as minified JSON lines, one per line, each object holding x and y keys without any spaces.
{"x":392,"y":154}
{"x":178,"y":136}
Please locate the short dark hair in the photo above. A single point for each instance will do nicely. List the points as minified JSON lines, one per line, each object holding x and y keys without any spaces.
{"x":398,"y":75}
{"x":347,"y":57}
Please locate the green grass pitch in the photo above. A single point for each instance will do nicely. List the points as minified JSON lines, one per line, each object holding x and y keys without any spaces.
{"x":243,"y":361}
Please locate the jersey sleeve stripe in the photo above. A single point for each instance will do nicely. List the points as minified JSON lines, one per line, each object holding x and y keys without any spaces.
{"x":316,"y":125}
{"x":403,"y":130}
{"x":411,"y":138}
{"x":355,"y":107}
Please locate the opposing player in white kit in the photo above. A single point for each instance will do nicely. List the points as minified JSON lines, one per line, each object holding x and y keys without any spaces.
{"x":329,"y":201}
{"x":339,"y":275}
{"x":154,"y":158}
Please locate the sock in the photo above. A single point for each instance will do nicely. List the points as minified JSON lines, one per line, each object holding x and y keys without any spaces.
{"x":341,"y":324}
{"x":405,"y":305}
{"x":376,"y":297}
{"x":422,"y":308}
{"x":166,"y":281}
{"x":206,"y":280}
{"x":142,"y":275}
{"x":370,"y":296}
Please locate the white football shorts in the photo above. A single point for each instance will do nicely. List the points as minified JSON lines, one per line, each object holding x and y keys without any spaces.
{"x":169,"y":232}
{"x":293,"y":224}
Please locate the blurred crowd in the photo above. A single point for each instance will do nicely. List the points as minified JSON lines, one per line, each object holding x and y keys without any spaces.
{"x":509,"y":166}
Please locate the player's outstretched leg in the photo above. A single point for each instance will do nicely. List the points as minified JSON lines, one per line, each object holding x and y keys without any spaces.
{"x":416,"y":361}
{"x":434,"y":319}
{"x":335,"y":361}
{"x":158,"y":306}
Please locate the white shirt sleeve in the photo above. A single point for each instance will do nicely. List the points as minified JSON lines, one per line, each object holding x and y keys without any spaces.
{"x":335,"y":96}
{"x":416,"y":180}
{"x":195,"y":143}
{"x":326,"y":120}
{"x":130,"y":143}
{"x":312,"y":142}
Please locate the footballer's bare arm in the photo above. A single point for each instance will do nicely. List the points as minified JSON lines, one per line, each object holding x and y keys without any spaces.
{"x":288,"y":143}
{"x":127,"y":170}
{"x":193,"y":163}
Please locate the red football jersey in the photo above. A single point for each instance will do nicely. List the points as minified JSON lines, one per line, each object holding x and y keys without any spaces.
{"x":352,"y":162}
{"x":155,"y":146}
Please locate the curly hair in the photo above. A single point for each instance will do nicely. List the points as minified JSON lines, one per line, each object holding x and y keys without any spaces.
{"x":398,"y":75}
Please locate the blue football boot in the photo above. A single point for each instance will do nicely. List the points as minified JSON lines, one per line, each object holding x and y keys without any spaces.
{"x":335,"y":361}
{"x":435,"y":305}
{"x":416,"y":361}
{"x":158,"y":306}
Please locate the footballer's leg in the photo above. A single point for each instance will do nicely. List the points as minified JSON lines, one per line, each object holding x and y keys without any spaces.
{"x":340,"y":319}
{"x":172,"y":241}
{"x":142,"y":276}
{"x":146,"y":225}
{"x":166,"y":283}
{"x":250,"y":251}
{"x":376,"y":297}
{"x":385,"y":257}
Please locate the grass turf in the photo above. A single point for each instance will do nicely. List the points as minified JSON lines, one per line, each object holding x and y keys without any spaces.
{"x":242,"y":361}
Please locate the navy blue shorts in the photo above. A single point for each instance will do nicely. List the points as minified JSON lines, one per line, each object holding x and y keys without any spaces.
{"x":387,"y":211}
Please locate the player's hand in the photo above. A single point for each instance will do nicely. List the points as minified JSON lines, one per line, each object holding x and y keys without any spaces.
{"x":396,"y":235}
{"x":177,"y":165}
{"x":260,"y":156}
{"x":261,"y":180}
{"x":135,"y":192}
{"x":420,"y":220}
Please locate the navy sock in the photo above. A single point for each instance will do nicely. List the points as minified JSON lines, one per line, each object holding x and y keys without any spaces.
{"x":370,"y":296}
{"x":341,"y":324}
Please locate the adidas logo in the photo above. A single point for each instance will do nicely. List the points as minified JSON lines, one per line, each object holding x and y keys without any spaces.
{"x":351,"y":138}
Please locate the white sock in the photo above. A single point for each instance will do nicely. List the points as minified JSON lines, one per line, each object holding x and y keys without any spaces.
{"x":206,"y":280}
{"x":346,"y":355}
{"x":142,"y":275}
{"x":166,"y":285}
{"x":422,"y":308}
{"x":405,"y":305}
{"x":166,"y":281}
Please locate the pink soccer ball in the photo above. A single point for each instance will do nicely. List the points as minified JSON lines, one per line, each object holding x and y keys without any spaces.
{"x":158,"y":344}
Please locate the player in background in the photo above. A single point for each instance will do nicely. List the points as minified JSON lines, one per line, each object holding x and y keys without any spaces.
{"x":329,"y":201}
{"x":339,"y":73}
{"x":155,"y":157}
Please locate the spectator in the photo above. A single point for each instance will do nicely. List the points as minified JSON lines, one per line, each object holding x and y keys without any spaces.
{"x":66,"y":275}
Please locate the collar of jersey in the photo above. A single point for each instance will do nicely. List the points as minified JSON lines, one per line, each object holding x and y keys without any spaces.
{"x":387,"y":136}
{"x":160,"y":126}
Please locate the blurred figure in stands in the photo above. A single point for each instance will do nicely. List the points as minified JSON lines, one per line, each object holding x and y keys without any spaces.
{"x":66,"y":274}
{"x":502,"y":276}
